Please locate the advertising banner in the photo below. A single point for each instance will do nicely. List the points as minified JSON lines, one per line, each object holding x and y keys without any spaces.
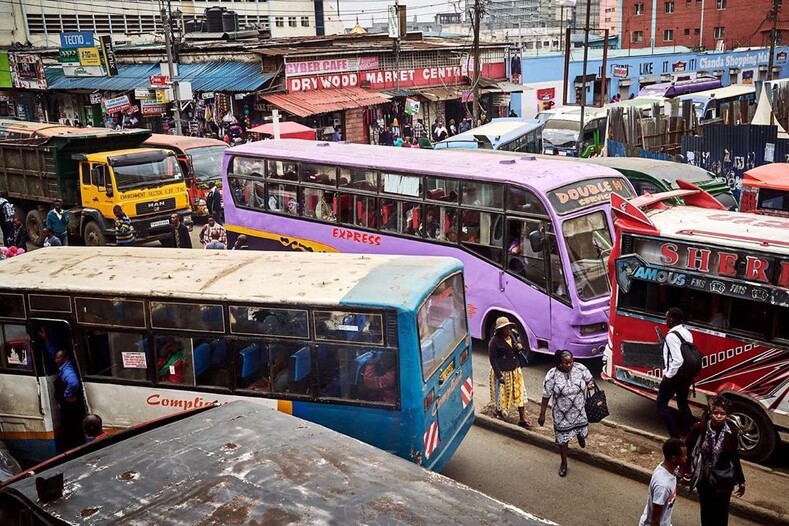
{"x":77,"y":40}
{"x":68,"y":56}
{"x":117,"y":104}
{"x":108,"y":53}
{"x":151,"y":107}
{"x":76,"y":70}
{"x":27,"y":71}
{"x":89,"y":56}
{"x":338,"y":65}
{"x":5,"y":71}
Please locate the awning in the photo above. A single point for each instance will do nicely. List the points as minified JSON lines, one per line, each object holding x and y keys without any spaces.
{"x":287,"y":130}
{"x":304,"y":104}
{"x":444,"y":93}
{"x":204,"y":76}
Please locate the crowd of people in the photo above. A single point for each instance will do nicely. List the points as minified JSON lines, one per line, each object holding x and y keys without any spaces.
{"x":419,"y":135}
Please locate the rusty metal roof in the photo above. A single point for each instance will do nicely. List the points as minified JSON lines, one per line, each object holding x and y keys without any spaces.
{"x":308,"y":103}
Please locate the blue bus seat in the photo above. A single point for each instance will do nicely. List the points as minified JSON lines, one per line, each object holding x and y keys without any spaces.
{"x":449,"y":326}
{"x":300,"y":364}
{"x":220,"y":351}
{"x":202,"y":359}
{"x":441,"y":342}
{"x":250,"y":361}
{"x":428,"y":353}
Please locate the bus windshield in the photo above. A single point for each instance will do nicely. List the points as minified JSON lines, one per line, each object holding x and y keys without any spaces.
{"x":588,"y":240}
{"x":558,"y":132}
{"x":206,"y":162}
{"x":441,"y":324}
{"x":148,"y":174}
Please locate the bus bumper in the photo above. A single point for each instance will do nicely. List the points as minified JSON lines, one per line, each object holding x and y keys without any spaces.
{"x":449,"y":445}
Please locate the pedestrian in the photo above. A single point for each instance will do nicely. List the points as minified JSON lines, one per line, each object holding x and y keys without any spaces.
{"x":179,"y":233}
{"x":452,"y":128}
{"x":398,"y":142}
{"x":92,"y":426}
{"x":213,"y":203}
{"x":241,"y":243}
{"x":465,"y":124}
{"x":663,"y":486}
{"x":336,"y":136}
{"x":673,"y":384}
{"x":215,"y":244}
{"x":566,"y":383}
{"x":208,"y":228}
{"x":68,"y":394}
{"x":713,"y":446}
{"x":439,"y":131}
{"x":124,"y":231}
{"x":20,"y":237}
{"x":419,"y":130}
{"x":6,"y":220}
{"x":50,"y":239}
{"x":507,"y":387}
{"x":57,"y":221}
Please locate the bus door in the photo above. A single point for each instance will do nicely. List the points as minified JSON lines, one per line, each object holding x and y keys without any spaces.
{"x":526,"y":262}
{"x":48,"y":337}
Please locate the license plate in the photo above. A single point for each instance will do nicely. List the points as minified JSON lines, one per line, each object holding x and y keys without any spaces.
{"x":162,"y":222}
{"x":446,"y":373}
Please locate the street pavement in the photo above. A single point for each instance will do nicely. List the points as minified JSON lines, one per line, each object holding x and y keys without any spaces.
{"x":765,"y":499}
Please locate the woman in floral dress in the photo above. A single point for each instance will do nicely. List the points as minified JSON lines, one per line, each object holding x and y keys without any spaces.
{"x":566,"y":384}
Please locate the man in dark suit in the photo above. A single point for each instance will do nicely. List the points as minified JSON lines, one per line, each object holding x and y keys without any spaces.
{"x":179,"y":232}
{"x":213,"y":201}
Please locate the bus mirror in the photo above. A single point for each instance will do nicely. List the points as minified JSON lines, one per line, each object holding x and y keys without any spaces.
{"x":536,"y":240}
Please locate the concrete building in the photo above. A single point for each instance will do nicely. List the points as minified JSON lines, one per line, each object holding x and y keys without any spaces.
{"x":610,"y":16}
{"x":705,"y":24}
{"x":40,"y":23}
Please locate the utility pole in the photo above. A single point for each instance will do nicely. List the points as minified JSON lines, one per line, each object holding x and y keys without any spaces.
{"x":168,"y":43}
{"x":478,"y":12}
{"x":774,"y":16}
{"x":583,"y":78}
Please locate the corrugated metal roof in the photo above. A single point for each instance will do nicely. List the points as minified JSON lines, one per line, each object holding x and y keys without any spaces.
{"x":308,"y":103}
{"x":205,"y":76}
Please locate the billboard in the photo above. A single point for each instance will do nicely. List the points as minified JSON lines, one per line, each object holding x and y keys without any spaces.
{"x":27,"y":71}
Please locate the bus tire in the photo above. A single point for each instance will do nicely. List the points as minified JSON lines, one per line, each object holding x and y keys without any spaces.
{"x":35,"y":221}
{"x":757,"y":439}
{"x":93,"y":235}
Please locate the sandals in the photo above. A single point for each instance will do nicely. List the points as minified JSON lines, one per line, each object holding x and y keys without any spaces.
{"x":525,"y":424}
{"x":500,"y":415}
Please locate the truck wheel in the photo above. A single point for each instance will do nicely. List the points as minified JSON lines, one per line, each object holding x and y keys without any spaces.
{"x":35,"y":222}
{"x":93,"y":235}
{"x":757,"y":439}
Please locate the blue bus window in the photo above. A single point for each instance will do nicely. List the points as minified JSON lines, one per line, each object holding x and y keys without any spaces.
{"x":349,"y":326}
{"x":263,"y":321}
{"x":121,"y":355}
{"x":112,"y":312}
{"x":174,"y":362}
{"x":187,"y":316}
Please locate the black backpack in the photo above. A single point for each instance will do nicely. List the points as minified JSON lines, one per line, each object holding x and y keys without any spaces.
{"x":691,"y":358}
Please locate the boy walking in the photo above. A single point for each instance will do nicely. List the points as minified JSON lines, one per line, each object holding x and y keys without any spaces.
{"x":663,"y":486}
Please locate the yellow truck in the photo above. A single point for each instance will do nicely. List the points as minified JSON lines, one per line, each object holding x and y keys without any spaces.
{"x":91,"y":170}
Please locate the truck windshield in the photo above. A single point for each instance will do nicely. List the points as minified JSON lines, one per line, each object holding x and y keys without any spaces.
{"x":588,"y":246}
{"x":207,"y":162}
{"x":147,"y":174}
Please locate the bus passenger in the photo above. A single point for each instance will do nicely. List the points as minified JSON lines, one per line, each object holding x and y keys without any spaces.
{"x":429,"y":227}
{"x":170,"y":367}
{"x":68,"y":394}
{"x":379,"y":379}
{"x":92,"y":426}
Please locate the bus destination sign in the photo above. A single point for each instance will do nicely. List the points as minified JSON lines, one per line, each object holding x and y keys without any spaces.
{"x":589,"y":193}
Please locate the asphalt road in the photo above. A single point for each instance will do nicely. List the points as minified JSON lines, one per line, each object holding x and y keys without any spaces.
{"x":527,"y":476}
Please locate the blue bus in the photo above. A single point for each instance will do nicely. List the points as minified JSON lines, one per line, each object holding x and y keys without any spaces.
{"x":372,"y":346}
{"x":510,"y":134}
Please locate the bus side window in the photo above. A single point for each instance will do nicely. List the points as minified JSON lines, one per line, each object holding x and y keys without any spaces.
{"x":121,"y":355}
{"x":558,"y":282}
{"x":482,"y":232}
{"x":174,"y":363}
{"x":521,"y":259}
{"x":15,"y":345}
{"x":211,"y":362}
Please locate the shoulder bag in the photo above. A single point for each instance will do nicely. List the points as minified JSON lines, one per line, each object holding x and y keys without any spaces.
{"x":596,"y":405}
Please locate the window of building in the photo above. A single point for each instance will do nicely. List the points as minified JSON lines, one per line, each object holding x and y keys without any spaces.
{"x":687,"y":31}
{"x":639,"y":9}
{"x":669,"y":7}
{"x":291,"y":21}
{"x":637,"y":36}
{"x":718,"y":33}
{"x":697,"y":31}
{"x":305,"y":21}
{"x":720,"y":4}
{"x":668,"y":35}
{"x":279,"y":21}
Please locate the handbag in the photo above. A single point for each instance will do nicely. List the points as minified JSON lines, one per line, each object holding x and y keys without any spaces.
{"x":596,"y":405}
{"x":723,"y":478}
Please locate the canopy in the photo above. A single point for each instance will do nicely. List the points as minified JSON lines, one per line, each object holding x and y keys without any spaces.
{"x":774,"y":176}
{"x":287,"y":130}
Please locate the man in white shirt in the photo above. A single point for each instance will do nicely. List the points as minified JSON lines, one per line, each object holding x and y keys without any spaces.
{"x":673,"y":383}
{"x":663,"y":485}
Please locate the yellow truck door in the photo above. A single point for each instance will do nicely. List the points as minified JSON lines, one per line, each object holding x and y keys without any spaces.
{"x":96,"y":187}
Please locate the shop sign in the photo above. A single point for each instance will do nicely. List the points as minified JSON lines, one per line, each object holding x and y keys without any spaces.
{"x":27,"y":71}
{"x":338,"y":65}
{"x":117,"y":104}
{"x":144,"y":93}
{"x":621,"y":71}
{"x":151,"y":107}
{"x":159,"y":81}
{"x":404,"y":78}
{"x":162,"y":96}
{"x":77,"y":40}
{"x":89,"y":56}
{"x":68,"y":56}
{"x":108,"y":52}
{"x":83,"y":71}
{"x":207,"y":95}
{"x":781,"y":56}
{"x":734,"y":60}
{"x":96,"y":98}
{"x":6,"y":80}
{"x":678,"y":66}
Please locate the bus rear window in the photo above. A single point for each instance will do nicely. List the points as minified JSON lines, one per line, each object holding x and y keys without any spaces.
{"x":12,"y":306}
{"x":345,"y":326}
{"x":442,"y":323}
{"x":263,"y":321}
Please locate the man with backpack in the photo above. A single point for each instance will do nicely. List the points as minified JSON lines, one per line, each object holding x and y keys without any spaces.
{"x":682,"y":362}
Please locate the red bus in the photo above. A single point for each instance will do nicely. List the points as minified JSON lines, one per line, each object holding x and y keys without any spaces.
{"x":729,"y":273}
{"x":765,"y":190}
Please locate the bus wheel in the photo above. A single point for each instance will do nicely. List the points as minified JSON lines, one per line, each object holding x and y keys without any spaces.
{"x":93,"y":235}
{"x":757,"y":439}
{"x":35,"y":222}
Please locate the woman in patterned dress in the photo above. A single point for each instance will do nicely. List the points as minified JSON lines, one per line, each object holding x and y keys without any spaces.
{"x":566,"y":384}
{"x":506,"y":378}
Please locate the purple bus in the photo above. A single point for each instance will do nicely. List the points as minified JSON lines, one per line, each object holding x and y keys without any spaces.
{"x":680,"y":87}
{"x":533,"y":234}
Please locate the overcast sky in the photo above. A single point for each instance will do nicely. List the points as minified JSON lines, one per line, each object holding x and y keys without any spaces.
{"x":376,"y":9}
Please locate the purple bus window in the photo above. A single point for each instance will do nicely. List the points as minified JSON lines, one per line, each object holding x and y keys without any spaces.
{"x":282,"y":170}
{"x":320,"y":174}
{"x":483,"y":194}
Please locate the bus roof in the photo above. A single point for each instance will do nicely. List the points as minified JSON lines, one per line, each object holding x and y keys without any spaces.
{"x":722,"y":227}
{"x":540,"y":174}
{"x":664,"y":170}
{"x":498,"y":131}
{"x":774,"y":176}
{"x":232,"y":275}
{"x":735,"y":90}
{"x":181,"y":142}
{"x":239,"y":461}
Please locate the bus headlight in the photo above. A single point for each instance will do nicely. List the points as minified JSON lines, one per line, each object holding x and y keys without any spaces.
{"x":595,"y":328}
